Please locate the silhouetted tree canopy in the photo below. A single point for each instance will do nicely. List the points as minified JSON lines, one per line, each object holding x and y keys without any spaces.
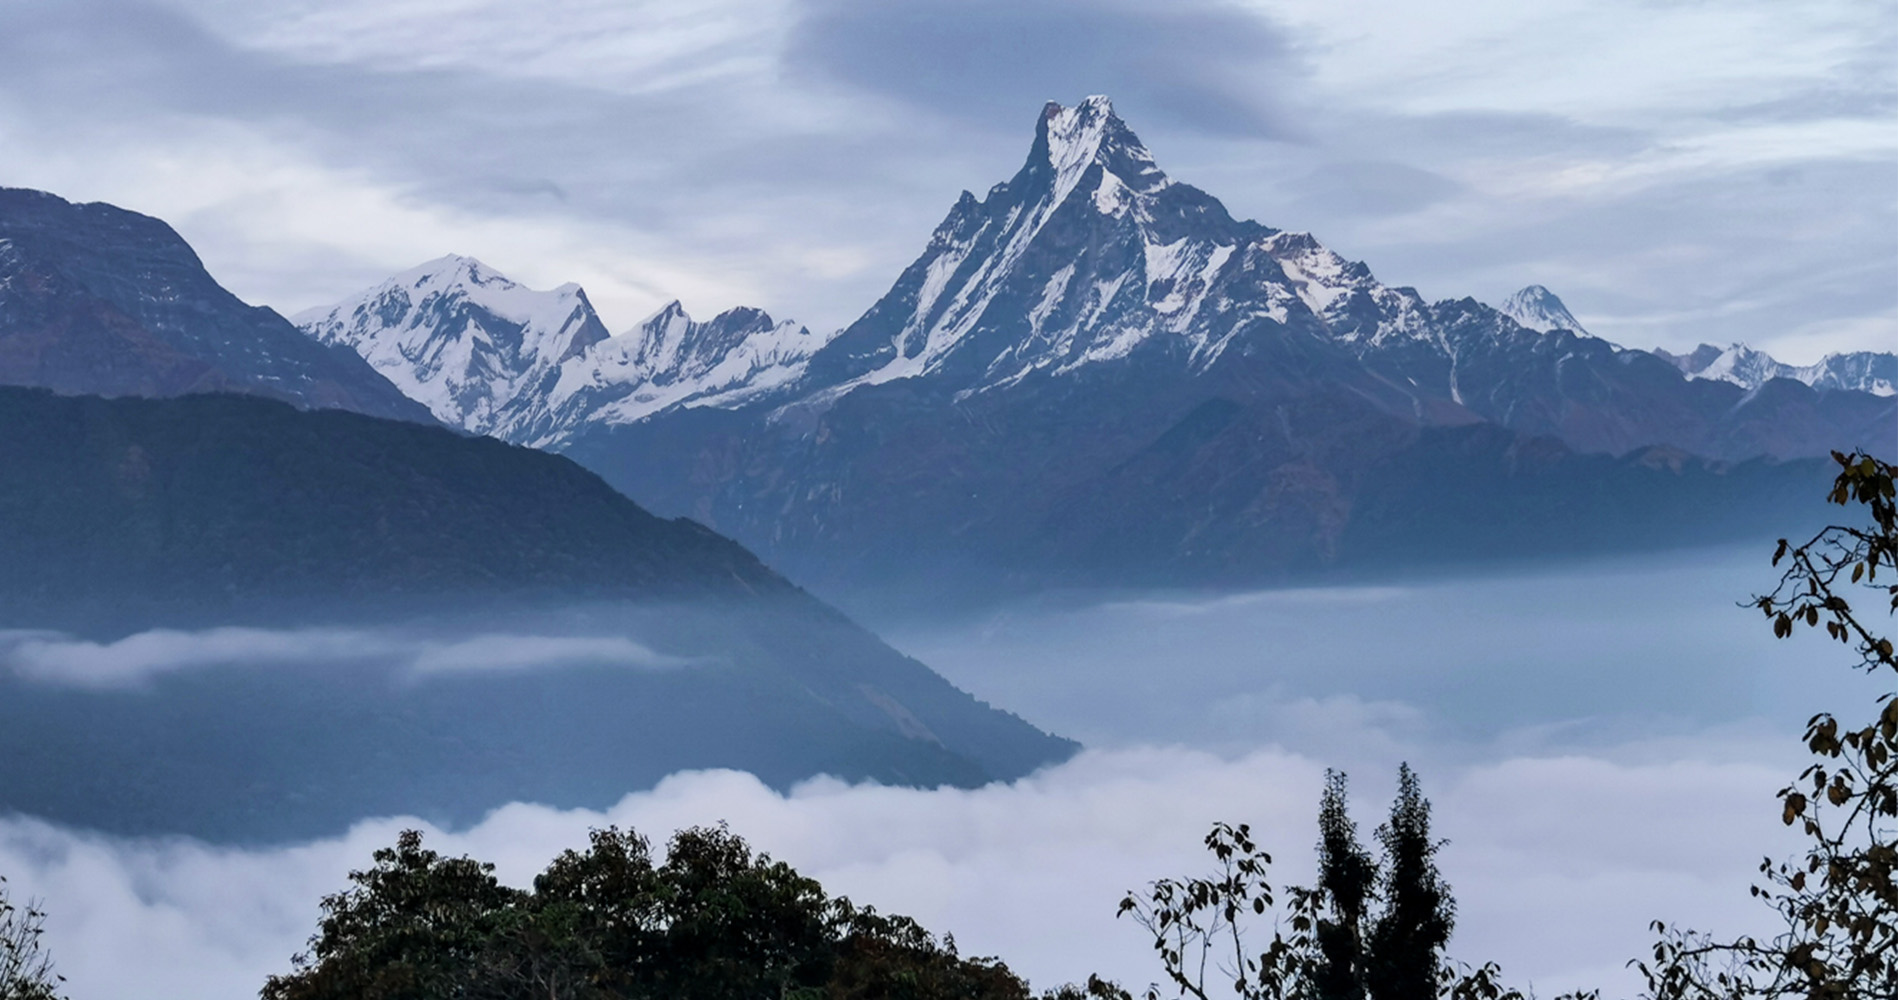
{"x":1367,"y":929}
{"x":26,"y":968}
{"x":713,"y":921}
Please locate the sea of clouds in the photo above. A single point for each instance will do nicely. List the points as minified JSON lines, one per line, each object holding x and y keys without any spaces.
{"x":1601,"y":747}
{"x":1557,"y":863}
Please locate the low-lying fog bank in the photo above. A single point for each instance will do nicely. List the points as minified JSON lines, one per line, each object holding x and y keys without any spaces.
{"x":1576,"y":656}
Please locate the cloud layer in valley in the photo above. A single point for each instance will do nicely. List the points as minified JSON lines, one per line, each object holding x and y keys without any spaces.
{"x":1680,"y":173}
{"x":1030,"y":871}
{"x":1601,"y":747}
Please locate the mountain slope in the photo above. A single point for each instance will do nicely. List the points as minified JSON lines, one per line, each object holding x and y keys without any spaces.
{"x":142,"y":518}
{"x":96,"y":299}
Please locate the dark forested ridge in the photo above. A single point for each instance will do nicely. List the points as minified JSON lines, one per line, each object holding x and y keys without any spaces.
{"x":226,"y":499}
{"x":404,"y":557}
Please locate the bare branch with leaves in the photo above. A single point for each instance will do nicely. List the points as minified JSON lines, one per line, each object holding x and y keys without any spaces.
{"x":1835,"y":905}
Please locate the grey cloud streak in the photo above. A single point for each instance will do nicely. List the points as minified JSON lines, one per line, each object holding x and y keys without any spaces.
{"x":1205,"y":66}
{"x":135,"y":660}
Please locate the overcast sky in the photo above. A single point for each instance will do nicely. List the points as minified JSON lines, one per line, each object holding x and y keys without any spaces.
{"x":1677,"y":171}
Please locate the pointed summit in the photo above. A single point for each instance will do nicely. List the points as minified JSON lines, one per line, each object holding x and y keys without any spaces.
{"x":1071,"y":140}
{"x":1535,"y":307}
{"x":1088,"y":251}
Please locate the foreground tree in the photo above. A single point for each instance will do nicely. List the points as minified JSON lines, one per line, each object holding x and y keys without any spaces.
{"x":1348,"y":878}
{"x":1405,"y":948}
{"x":26,"y":969}
{"x":1835,"y":905}
{"x":1365,"y":930}
{"x":713,"y":921}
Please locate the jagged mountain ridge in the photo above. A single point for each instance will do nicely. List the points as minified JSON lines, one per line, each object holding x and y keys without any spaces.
{"x":96,"y":299}
{"x":532,"y":367}
{"x":1091,"y":254}
{"x":1094,"y":372}
{"x":461,"y":339}
{"x":1739,"y":364}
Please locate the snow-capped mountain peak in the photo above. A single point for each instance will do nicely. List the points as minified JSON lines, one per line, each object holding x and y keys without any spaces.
{"x":671,"y":348}
{"x":1089,"y":259}
{"x":461,"y":338}
{"x":671,"y":360}
{"x":1740,"y":364}
{"x":1088,"y":252}
{"x":494,"y":357}
{"x":1535,"y":307}
{"x":1071,"y":140}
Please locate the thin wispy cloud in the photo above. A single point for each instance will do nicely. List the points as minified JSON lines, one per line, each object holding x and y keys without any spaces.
{"x":136,"y":660}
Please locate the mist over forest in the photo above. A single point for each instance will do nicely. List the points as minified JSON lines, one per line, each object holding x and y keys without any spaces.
{"x":1607,"y":733}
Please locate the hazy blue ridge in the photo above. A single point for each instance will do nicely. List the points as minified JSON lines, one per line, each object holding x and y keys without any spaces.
{"x":235,"y":619}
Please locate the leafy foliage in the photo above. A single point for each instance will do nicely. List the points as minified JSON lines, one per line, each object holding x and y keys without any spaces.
{"x":1348,"y":878}
{"x":713,"y":921}
{"x":26,"y":969}
{"x":1198,"y":923}
{"x":1364,"y":930}
{"x":1836,"y":904}
{"x":1404,"y":946}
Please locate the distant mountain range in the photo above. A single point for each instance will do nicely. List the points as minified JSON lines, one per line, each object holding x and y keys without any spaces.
{"x":490,"y":356}
{"x":1091,"y":376}
{"x":1094,"y":372}
{"x":123,"y":515}
{"x":1538,"y":308}
{"x":1739,"y":364}
{"x":1090,"y":256}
